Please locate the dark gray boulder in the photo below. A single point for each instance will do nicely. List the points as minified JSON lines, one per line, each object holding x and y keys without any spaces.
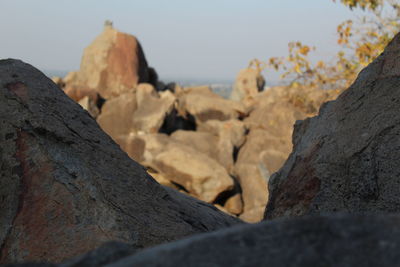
{"x":66,"y":187}
{"x":348,"y":157}
{"x":329,"y":240}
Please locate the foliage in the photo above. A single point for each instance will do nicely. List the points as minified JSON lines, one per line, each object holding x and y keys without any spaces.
{"x":361,"y":42}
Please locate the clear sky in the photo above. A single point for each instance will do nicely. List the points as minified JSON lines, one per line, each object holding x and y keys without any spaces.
{"x":182,"y":39}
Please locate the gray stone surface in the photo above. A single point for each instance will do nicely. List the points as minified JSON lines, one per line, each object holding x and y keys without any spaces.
{"x":107,"y":253}
{"x":66,"y":187}
{"x":348,"y":157}
{"x":329,"y":240}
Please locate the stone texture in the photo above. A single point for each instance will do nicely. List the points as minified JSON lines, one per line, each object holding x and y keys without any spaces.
{"x":113,"y":64}
{"x":196,"y":172}
{"x":66,"y":187}
{"x":230,"y":137}
{"x":347,"y":158}
{"x":116,"y":117}
{"x":151,"y":108}
{"x":200,"y":175}
{"x":247,"y":85}
{"x":330,"y":240}
{"x":204,"y":105}
{"x":107,"y":253}
{"x":77,"y":92}
{"x":234,"y":204}
{"x":203,"y":142}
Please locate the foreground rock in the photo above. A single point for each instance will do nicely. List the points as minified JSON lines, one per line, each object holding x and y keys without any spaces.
{"x":348,"y":157}
{"x":335,"y":240}
{"x":66,"y":187}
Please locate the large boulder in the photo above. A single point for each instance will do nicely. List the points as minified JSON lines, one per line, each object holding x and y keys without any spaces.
{"x":348,"y":157}
{"x":113,"y":64}
{"x":330,"y":240}
{"x":66,"y":187}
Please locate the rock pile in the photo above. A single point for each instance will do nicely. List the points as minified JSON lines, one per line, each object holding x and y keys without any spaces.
{"x":191,"y":139}
{"x":66,"y":187}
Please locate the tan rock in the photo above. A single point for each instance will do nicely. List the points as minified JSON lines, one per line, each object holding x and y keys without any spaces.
{"x":208,"y":106}
{"x":231,"y":135}
{"x":113,"y":64}
{"x":116,"y":116}
{"x":247,"y":85}
{"x":132,"y":145}
{"x":77,"y":92}
{"x":203,"y":142}
{"x":200,"y":175}
{"x":253,"y":181}
{"x":151,"y":108}
{"x":234,"y":204}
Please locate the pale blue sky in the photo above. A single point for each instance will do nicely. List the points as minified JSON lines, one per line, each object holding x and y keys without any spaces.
{"x":182,"y":39}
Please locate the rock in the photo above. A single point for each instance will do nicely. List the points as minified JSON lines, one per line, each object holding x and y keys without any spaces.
{"x":151,"y":108}
{"x":203,"y":142}
{"x":234,"y":204}
{"x":254,"y":191}
{"x":247,"y":85}
{"x":77,"y":92}
{"x":116,"y":117}
{"x":230,"y":136}
{"x":71,"y":78}
{"x":347,"y":158}
{"x":204,"y":105}
{"x":113,"y":64}
{"x":107,"y":253}
{"x":142,"y":111}
{"x":90,"y":106}
{"x":200,"y":175}
{"x":132,"y":145}
{"x":330,"y":240}
{"x":66,"y":187}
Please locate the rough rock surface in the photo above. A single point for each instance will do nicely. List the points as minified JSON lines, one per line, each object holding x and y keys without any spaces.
{"x":230,"y":137}
{"x":66,"y":187}
{"x":116,"y":117}
{"x":113,"y":64}
{"x":151,"y":108}
{"x":204,"y":105}
{"x":347,"y":158}
{"x":202,"y":176}
{"x":330,"y":240}
{"x":107,"y":253}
